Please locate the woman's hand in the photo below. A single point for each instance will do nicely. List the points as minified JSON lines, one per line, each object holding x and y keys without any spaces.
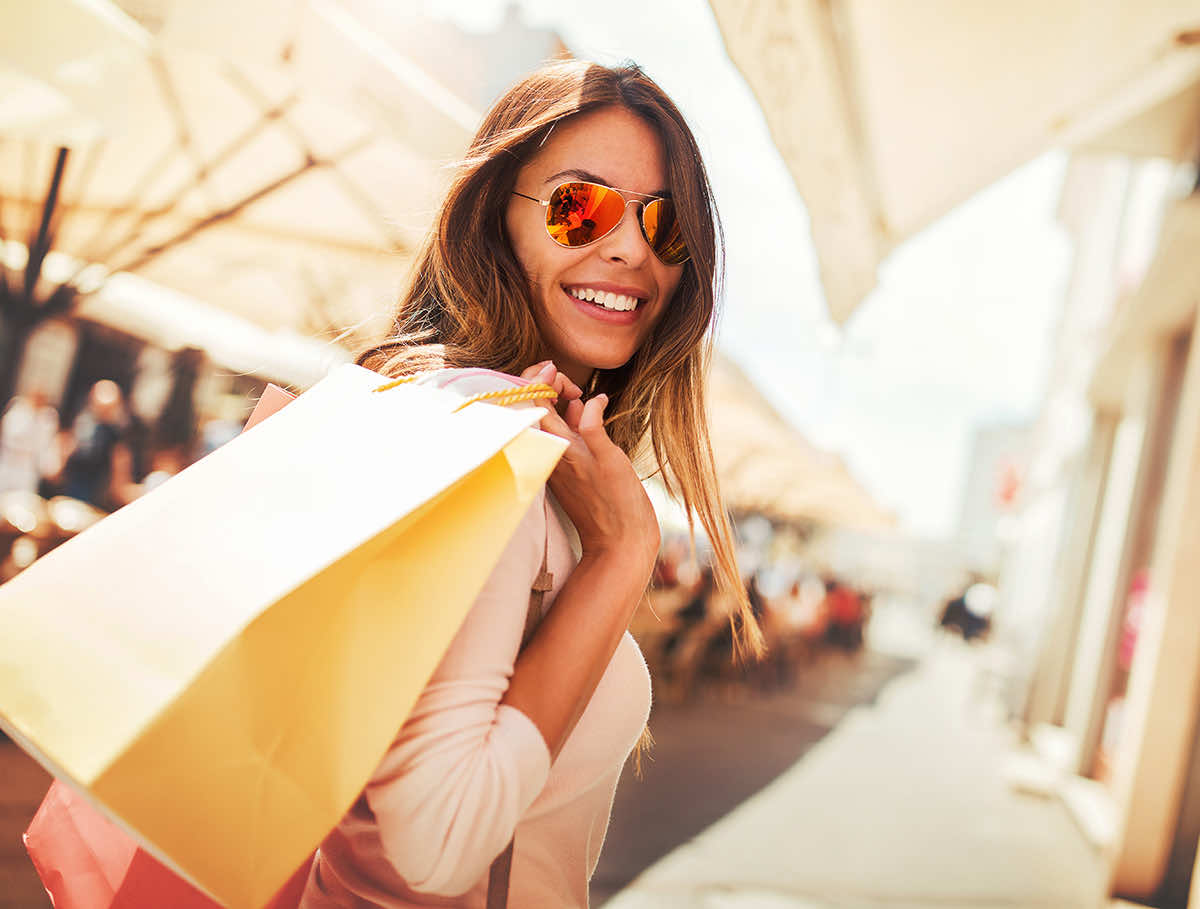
{"x":566,"y":390}
{"x":594,"y":481}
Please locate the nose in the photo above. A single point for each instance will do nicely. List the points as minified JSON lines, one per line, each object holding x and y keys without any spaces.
{"x":626,"y":244}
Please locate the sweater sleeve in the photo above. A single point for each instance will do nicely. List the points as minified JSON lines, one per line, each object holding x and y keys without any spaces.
{"x":464,"y":768}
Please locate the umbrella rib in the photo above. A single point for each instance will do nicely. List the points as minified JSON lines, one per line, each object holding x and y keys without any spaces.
{"x":218,"y":160}
{"x":155,"y":251}
{"x":138,"y":226}
{"x":352,"y":190}
{"x":152,"y":173}
{"x":183,"y":133}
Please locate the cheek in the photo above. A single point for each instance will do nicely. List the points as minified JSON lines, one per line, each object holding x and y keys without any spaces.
{"x":516,"y":241}
{"x":669,"y":280}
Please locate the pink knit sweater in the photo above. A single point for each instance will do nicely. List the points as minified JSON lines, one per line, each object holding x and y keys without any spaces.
{"x":464,"y":772}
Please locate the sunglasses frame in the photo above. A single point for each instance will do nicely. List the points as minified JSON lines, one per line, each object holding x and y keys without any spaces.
{"x":644,"y":200}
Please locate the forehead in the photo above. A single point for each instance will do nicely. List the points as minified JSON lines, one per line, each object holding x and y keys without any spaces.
{"x":612,"y":143}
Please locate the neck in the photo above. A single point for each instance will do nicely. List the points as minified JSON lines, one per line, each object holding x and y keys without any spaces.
{"x":579,"y":373}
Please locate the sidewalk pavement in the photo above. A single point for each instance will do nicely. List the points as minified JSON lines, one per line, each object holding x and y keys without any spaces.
{"x":904,"y":805}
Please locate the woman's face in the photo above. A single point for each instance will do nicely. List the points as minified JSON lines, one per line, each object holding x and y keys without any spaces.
{"x":617,"y":148}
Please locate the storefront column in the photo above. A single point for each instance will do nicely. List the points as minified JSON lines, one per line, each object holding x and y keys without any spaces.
{"x":1164,"y":682}
{"x":1111,"y":564}
{"x":1047,"y":700}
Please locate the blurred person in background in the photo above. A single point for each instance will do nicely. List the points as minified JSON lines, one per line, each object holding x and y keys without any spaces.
{"x":98,"y":465}
{"x":970,"y":612}
{"x":845,"y":612}
{"x":27,"y":438}
{"x":577,"y":248}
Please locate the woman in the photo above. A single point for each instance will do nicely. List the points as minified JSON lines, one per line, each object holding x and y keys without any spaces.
{"x":536,"y":267}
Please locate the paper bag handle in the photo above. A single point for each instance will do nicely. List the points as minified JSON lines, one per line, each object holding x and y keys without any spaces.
{"x":537,"y":391}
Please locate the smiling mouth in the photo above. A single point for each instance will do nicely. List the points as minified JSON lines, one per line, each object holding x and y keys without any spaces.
{"x":605,"y":300}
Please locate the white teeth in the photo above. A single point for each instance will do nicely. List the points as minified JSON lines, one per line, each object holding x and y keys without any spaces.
{"x":617,"y":302}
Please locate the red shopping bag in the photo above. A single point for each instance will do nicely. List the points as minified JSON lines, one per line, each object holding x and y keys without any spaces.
{"x":86,"y":861}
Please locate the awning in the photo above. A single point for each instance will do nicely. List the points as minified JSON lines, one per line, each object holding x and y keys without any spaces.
{"x":767,"y":466}
{"x":890,"y":114}
{"x":274,"y":158}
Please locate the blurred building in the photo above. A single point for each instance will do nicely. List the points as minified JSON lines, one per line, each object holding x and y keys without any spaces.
{"x":1100,"y":603}
{"x":996,"y":468}
{"x":1104,"y":566}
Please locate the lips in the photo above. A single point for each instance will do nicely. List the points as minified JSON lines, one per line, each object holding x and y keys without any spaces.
{"x":602,"y":313}
{"x":610,"y":301}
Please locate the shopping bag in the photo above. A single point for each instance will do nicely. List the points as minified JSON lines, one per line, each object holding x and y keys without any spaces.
{"x":272,"y":400}
{"x":221,"y":665}
{"x":85,"y":861}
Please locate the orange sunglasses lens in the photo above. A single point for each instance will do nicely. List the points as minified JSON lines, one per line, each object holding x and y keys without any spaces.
{"x":661,"y":228}
{"x":579,"y":213}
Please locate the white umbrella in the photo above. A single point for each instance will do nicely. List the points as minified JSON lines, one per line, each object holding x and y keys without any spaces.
{"x":889,"y":114}
{"x":272,"y":157}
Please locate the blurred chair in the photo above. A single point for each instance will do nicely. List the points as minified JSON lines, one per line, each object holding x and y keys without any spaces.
{"x":658,"y":621}
{"x":23,"y":553}
{"x":69,"y":517}
{"x":22,"y":514}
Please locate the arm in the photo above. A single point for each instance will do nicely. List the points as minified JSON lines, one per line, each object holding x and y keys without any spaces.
{"x":464,"y":767}
{"x":597,"y":486}
{"x":557,"y":673}
{"x":476,"y":750}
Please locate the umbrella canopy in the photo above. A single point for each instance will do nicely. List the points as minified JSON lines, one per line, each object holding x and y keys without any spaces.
{"x":766,"y":466}
{"x":282,"y":169}
{"x":889,"y":114}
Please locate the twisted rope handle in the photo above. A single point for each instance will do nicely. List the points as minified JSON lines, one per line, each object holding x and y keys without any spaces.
{"x":538,"y":391}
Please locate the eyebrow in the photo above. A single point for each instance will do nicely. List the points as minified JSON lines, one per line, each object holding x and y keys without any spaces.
{"x":595,"y":178}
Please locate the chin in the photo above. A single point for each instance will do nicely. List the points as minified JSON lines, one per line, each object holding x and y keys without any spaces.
{"x":607,"y":362}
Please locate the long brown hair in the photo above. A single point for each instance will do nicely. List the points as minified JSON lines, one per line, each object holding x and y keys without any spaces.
{"x":469,"y":301}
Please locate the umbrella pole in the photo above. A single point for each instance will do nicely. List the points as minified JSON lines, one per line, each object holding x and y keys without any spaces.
{"x":40,"y":244}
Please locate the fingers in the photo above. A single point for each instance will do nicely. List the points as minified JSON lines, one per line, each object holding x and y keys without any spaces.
{"x":530,"y":372}
{"x":567,"y":390}
{"x":554,"y":424}
{"x":572,"y":413}
{"x":591,"y":423}
{"x":582,"y":424}
{"x":547,"y":372}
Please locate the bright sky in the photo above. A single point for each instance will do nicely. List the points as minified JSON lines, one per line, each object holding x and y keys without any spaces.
{"x":956,"y":334}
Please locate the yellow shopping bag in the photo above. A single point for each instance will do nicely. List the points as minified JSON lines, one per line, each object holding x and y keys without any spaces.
{"x":221,"y":664}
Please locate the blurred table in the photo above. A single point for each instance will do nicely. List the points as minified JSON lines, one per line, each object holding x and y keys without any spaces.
{"x":22,"y":784}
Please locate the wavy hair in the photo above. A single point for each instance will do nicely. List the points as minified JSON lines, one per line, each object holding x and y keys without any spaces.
{"x":469,"y":301}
